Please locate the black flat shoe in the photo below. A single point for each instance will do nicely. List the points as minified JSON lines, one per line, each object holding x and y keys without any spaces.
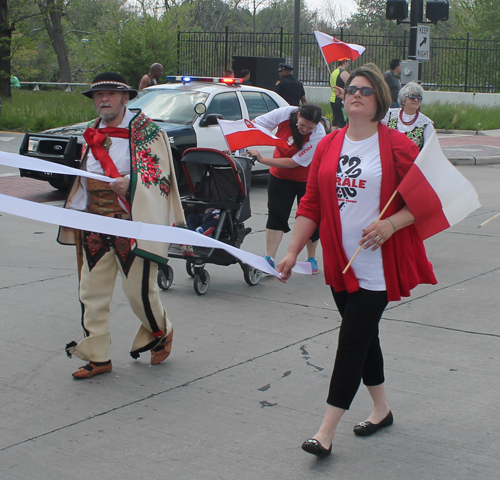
{"x":364,"y":429}
{"x":312,"y":446}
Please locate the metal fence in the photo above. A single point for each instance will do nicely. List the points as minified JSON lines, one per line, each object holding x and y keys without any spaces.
{"x":455,"y":64}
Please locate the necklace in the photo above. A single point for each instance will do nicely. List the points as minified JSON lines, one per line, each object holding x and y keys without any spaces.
{"x":411,"y":122}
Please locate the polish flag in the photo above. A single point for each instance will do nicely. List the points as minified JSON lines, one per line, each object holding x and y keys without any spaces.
{"x":436,"y":193}
{"x":333,"y":49}
{"x":244,"y":133}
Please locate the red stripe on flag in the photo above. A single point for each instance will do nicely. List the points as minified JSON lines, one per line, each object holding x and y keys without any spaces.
{"x":239,"y":140}
{"x":423,"y":202}
{"x":335,"y":51}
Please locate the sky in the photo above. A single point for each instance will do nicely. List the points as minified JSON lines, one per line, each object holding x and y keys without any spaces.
{"x":347,"y":6}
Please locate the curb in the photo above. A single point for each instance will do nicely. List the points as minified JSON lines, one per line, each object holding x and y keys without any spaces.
{"x":493,"y":160}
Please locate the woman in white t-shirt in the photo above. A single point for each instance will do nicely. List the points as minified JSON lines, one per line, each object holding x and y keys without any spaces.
{"x":353,"y":175}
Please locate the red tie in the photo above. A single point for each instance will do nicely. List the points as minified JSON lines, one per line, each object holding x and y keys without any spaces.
{"x":95,"y":138}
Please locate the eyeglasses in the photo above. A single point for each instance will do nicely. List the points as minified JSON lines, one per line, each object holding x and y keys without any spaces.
{"x":365,"y":91}
{"x":304,"y":127}
{"x":415,"y":97}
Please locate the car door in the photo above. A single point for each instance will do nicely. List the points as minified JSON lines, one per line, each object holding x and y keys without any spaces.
{"x":228,"y":106}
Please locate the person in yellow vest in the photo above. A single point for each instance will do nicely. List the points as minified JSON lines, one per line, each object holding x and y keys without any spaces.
{"x":337,"y":79}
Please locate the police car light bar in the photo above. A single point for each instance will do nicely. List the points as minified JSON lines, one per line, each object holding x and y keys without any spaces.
{"x":187,"y":79}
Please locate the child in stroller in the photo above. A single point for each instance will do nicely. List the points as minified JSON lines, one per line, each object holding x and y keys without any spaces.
{"x":220,"y":187}
{"x":204,"y":222}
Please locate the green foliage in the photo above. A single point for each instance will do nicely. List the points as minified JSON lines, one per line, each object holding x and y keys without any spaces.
{"x":138,"y":43}
{"x":481,"y":18}
{"x":29,"y":111}
{"x":370,"y":19}
{"x":462,"y":116}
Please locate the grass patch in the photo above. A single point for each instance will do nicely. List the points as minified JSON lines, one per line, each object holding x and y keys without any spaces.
{"x":29,"y":111}
{"x":462,"y":116}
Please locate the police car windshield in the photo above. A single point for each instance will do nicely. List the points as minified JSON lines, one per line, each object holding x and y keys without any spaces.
{"x":172,"y":106}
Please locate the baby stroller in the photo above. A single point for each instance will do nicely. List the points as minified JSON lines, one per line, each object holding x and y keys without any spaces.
{"x":220,"y":182}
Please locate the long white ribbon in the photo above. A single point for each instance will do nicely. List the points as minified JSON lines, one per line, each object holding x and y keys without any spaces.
{"x":38,"y":165}
{"x":114,"y":226}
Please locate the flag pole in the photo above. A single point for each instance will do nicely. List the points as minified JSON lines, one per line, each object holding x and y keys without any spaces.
{"x":379,"y":217}
{"x":489,"y":220}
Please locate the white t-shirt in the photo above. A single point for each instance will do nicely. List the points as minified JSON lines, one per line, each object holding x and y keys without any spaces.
{"x":359,"y":178}
{"x":277,"y":116}
{"x":119,"y":150}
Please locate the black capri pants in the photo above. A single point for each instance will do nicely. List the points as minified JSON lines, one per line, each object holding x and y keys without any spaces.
{"x":280,"y":197}
{"x":359,"y":356}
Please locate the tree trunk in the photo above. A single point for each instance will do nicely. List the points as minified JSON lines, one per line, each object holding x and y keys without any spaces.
{"x":5,"y":37}
{"x":52,"y":15}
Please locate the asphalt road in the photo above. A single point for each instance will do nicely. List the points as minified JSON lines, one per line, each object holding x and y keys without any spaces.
{"x":247,"y":379}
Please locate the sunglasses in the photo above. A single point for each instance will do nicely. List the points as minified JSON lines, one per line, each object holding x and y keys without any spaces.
{"x":365,"y":91}
{"x":415,"y":97}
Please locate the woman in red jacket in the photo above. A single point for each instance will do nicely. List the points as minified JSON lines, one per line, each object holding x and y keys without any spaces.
{"x":365,"y":162}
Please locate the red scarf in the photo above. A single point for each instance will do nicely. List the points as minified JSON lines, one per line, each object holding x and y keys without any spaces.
{"x":95,"y":138}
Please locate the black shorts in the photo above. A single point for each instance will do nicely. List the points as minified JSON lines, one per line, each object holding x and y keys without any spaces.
{"x":281,"y":195}
{"x":338,"y":115}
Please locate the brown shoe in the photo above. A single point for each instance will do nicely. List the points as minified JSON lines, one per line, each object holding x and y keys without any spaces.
{"x":162,"y":350}
{"x":91,"y":369}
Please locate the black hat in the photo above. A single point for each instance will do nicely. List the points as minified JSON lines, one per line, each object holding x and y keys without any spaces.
{"x":285,"y":66}
{"x":110,"y":81}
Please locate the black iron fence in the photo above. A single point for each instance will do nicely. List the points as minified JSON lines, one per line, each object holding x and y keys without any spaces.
{"x":463,"y":64}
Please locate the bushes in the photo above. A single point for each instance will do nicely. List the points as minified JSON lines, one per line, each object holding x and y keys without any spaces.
{"x":462,"y":116}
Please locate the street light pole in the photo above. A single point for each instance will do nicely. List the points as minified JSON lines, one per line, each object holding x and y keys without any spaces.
{"x":416,"y":17}
{"x":296,"y":36}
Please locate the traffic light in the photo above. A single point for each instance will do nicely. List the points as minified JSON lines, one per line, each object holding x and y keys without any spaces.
{"x":396,"y":10}
{"x":437,"y":10}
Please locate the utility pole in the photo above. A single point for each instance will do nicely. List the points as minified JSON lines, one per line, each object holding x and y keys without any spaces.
{"x":416,"y":17}
{"x":296,"y":36}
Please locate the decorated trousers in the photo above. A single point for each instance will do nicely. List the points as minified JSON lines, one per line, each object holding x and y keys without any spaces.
{"x":97,"y":283}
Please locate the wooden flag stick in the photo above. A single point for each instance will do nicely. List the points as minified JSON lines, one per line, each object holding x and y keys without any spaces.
{"x":489,"y":220}
{"x":379,"y":217}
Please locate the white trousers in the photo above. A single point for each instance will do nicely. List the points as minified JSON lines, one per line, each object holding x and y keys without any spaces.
{"x":96,"y":290}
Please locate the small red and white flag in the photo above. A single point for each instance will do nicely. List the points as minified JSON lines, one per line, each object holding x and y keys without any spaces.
{"x":333,"y":49}
{"x":244,"y":133}
{"x":436,"y":193}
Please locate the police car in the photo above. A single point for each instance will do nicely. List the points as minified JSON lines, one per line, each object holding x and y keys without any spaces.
{"x":187,"y":108}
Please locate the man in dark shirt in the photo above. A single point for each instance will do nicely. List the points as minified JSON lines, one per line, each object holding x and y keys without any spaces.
{"x":392,"y":80}
{"x":289,"y":87}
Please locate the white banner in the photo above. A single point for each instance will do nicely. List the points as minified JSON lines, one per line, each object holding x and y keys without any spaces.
{"x":114,"y":226}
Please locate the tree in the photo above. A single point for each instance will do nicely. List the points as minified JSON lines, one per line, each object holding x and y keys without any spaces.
{"x":5,"y":40}
{"x":480,"y":17}
{"x":52,"y":12}
{"x":136,"y":44}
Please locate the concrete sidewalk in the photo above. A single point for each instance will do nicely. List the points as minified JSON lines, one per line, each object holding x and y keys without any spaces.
{"x":247,"y":380}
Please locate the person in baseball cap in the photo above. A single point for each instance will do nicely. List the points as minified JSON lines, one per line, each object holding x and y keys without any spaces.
{"x":110,"y":81}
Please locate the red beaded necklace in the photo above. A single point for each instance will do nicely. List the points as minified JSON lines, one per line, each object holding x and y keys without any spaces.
{"x":411,"y":122}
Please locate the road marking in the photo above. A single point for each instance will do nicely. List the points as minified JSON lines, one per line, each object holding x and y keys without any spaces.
{"x":6,"y":139}
{"x":9,"y":174}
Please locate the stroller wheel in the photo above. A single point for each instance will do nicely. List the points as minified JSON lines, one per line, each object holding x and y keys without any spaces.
{"x":201,"y":282}
{"x":165,"y":277}
{"x":190,"y":269}
{"x":252,"y":275}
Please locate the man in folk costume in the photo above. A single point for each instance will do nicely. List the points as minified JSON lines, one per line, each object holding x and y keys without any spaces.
{"x":134,"y":150}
